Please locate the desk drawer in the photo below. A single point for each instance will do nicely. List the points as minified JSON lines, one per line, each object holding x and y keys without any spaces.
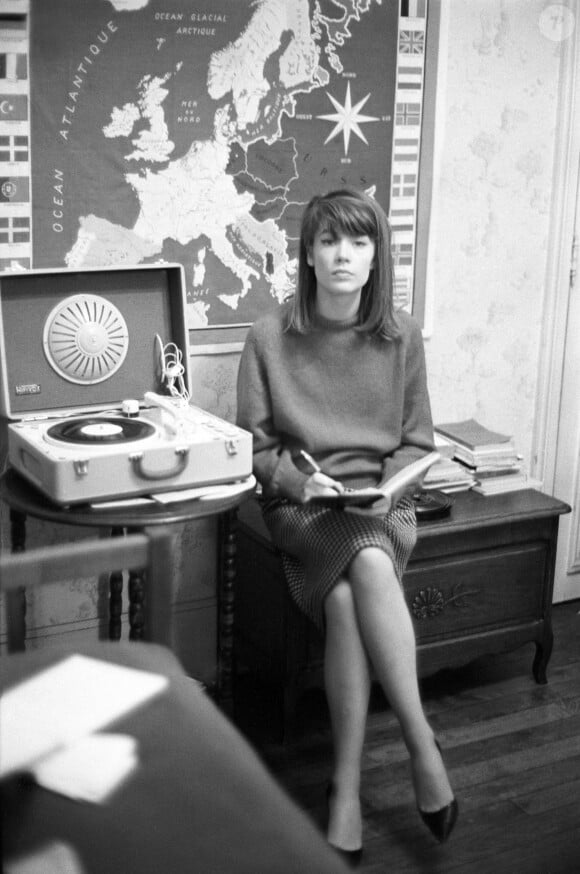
{"x":479,"y":590}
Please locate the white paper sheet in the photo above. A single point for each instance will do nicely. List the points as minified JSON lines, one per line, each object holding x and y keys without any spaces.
{"x":54,"y":858}
{"x":91,"y":768}
{"x":66,"y":702}
{"x":207,"y":493}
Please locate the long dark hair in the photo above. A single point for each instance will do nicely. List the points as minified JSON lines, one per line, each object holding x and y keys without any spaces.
{"x":354,"y":213}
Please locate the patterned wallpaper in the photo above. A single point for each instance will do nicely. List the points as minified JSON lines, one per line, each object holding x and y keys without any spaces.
{"x":491,"y":212}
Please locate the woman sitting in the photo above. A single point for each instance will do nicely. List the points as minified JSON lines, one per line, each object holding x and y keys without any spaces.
{"x":338,"y":377}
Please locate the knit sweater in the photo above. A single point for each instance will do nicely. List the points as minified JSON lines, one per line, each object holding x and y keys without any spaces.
{"x":358,"y":404}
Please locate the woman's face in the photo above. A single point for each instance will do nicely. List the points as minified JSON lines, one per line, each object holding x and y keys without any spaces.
{"x":342,"y":263}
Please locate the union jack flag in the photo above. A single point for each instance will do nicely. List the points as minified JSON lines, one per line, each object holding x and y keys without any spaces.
{"x":14,"y":229}
{"x":412,"y":42}
{"x":408,"y":113}
{"x":13,"y":148}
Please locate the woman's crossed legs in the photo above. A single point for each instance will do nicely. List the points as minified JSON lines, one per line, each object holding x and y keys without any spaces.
{"x":368,"y":623}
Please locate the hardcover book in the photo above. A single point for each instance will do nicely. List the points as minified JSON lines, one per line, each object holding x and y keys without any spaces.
{"x":471,"y":434}
{"x":392,"y":487}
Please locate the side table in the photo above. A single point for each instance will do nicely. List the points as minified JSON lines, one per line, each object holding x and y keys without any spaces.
{"x":24,"y":500}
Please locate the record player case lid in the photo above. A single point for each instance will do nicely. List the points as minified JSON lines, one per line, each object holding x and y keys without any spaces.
{"x":148,"y":300}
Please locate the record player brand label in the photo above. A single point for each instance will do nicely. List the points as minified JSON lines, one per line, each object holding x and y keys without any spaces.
{"x":31,"y":388}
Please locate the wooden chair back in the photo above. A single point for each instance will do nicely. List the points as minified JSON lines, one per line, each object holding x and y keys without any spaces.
{"x":149,"y":551}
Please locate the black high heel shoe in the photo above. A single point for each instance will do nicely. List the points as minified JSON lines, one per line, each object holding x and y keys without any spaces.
{"x":441,"y":822}
{"x":351,"y":857}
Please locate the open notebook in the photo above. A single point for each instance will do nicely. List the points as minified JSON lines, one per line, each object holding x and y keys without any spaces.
{"x":392,"y":487}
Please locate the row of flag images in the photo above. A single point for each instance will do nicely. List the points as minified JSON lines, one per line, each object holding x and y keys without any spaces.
{"x":406,"y":144}
{"x":15,"y":206}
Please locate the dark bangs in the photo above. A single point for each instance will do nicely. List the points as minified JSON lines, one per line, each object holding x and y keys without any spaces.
{"x":342,"y":215}
{"x":351,"y":213}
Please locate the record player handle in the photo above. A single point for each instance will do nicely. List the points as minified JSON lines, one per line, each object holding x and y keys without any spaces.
{"x":136,"y":460}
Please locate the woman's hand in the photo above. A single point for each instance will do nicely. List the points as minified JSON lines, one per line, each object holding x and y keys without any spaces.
{"x":321,"y":486}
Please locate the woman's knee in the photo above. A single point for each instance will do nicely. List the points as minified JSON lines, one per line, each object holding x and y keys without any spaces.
{"x":371,"y":560}
{"x":339,"y":603}
{"x":373,"y":566}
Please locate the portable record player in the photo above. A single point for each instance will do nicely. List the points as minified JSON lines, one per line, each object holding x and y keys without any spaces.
{"x":95,"y":386}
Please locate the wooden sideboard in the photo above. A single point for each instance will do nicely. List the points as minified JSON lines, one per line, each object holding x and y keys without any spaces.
{"x":479,"y":581}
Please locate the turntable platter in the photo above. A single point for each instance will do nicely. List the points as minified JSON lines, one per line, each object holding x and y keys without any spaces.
{"x":100,"y":430}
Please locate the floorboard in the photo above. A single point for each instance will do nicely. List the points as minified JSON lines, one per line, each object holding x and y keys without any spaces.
{"x":512,"y":749}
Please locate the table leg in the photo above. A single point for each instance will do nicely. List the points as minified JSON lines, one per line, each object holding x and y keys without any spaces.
{"x":16,"y":600}
{"x":543,"y":653}
{"x":136,"y":605}
{"x":226,"y":595}
{"x":136,"y":592}
{"x":545,"y":641}
{"x":115,"y":597}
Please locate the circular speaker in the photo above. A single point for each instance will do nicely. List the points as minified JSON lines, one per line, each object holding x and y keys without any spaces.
{"x":85,"y":339}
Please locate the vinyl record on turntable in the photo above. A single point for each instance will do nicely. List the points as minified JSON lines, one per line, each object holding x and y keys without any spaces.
{"x":100,"y":430}
{"x":85,"y":339}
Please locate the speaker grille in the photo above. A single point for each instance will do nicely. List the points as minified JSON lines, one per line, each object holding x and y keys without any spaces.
{"x":85,"y":339}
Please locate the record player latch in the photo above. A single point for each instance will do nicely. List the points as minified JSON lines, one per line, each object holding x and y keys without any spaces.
{"x":81,"y":466}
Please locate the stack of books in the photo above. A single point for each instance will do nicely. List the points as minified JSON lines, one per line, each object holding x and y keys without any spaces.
{"x":447,"y":475}
{"x":489,"y":456}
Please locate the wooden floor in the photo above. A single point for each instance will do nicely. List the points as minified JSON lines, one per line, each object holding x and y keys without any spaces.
{"x":512,"y":749}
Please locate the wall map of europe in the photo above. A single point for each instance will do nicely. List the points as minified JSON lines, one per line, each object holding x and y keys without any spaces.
{"x":196,"y":132}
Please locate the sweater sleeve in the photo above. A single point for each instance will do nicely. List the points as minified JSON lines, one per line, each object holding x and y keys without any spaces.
{"x":272,"y":461}
{"x":417,"y":424}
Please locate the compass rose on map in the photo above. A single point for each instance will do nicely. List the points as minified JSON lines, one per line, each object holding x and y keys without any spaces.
{"x":347,"y":118}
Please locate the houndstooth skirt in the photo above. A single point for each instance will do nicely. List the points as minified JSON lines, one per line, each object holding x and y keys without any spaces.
{"x":317,"y":544}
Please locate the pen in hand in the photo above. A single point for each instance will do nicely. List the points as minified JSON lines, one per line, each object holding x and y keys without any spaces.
{"x":314,"y":467}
